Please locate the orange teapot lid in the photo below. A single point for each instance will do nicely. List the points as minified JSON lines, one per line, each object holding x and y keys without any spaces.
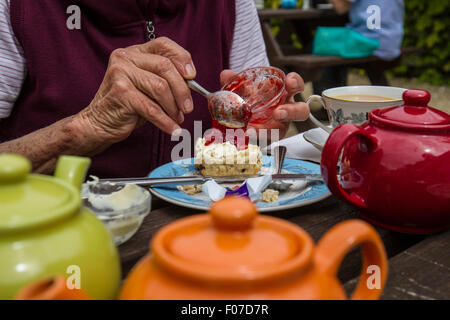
{"x":414,"y":114}
{"x":232,"y":244}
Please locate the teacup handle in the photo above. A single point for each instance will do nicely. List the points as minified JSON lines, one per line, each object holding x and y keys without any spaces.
{"x":339,"y":240}
{"x":313,"y":119}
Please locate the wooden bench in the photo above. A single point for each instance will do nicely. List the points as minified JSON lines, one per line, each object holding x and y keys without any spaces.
{"x":308,"y":65}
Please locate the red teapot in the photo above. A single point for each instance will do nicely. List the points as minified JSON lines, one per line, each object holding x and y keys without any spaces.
{"x":395,"y":166}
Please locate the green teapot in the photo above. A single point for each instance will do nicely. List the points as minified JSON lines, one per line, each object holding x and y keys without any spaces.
{"x":45,"y":231}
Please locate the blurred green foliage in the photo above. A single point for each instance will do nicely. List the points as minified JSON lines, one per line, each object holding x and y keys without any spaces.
{"x":427,"y":27}
{"x":272,"y":4}
{"x":275,"y":4}
{"x":276,"y":23}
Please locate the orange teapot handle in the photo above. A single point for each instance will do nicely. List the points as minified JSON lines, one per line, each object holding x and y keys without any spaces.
{"x":330,"y":156}
{"x":336,"y":243}
{"x":51,"y":289}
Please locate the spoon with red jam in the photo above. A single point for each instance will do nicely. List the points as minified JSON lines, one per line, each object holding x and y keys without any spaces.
{"x":226,"y":107}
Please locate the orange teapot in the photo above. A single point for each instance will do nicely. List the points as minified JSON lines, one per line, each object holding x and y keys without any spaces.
{"x":232,"y":253}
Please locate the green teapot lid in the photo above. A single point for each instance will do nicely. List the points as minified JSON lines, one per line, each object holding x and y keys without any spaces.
{"x":32,"y":200}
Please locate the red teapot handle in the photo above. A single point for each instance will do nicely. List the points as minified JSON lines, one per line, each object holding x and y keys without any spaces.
{"x":330,"y":157}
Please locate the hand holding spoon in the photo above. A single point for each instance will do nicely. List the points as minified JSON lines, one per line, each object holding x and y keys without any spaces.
{"x":226,"y":107}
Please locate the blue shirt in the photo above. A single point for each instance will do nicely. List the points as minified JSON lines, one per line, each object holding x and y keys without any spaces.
{"x":390,"y":33}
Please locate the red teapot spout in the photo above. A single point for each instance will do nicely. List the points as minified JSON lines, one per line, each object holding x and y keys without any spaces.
{"x":51,"y":289}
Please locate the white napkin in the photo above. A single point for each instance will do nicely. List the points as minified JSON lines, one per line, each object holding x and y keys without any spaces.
{"x":255,"y":187}
{"x":213,"y":190}
{"x":297,"y":148}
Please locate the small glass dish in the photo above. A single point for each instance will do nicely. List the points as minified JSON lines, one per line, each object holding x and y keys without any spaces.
{"x":124,"y":220}
{"x":262,"y":88}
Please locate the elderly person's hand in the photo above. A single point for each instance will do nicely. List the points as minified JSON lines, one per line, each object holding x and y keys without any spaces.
{"x":142,"y":83}
{"x":283,"y":114}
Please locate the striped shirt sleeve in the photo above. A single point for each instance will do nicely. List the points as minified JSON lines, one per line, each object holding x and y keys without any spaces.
{"x":247,"y":48}
{"x":12,"y":63}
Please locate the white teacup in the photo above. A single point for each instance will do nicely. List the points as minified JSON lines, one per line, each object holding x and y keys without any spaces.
{"x":352,"y":104}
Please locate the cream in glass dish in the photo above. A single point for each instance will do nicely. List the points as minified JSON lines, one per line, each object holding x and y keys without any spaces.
{"x":122,"y":208}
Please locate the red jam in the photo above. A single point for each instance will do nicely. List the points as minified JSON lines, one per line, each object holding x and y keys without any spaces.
{"x":258,"y":87}
{"x":259,"y":93}
{"x":237,"y":140}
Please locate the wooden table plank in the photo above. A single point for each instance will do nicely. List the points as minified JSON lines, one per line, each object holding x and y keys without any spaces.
{"x":420,"y":272}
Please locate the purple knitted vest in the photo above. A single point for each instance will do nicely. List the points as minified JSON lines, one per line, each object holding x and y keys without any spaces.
{"x":66,"y":67}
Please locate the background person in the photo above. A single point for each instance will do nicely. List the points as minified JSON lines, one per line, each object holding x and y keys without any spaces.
{"x":389,"y":35}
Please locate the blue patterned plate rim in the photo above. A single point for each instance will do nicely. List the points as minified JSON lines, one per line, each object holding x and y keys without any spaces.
{"x":288,"y":200}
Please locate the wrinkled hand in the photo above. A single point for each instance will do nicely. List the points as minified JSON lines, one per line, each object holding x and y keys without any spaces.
{"x":142,"y":83}
{"x":283,"y":114}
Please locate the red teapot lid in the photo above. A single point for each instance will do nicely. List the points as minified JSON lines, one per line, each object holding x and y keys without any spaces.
{"x":413,"y":114}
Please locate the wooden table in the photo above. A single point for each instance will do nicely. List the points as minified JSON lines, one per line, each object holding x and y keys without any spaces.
{"x":419,"y":266}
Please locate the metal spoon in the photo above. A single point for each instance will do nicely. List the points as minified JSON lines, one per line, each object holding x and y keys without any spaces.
{"x":280,"y":153}
{"x":226,"y":107}
{"x":181,"y":180}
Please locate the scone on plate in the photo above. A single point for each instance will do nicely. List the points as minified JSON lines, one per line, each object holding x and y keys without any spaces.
{"x":224,"y":159}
